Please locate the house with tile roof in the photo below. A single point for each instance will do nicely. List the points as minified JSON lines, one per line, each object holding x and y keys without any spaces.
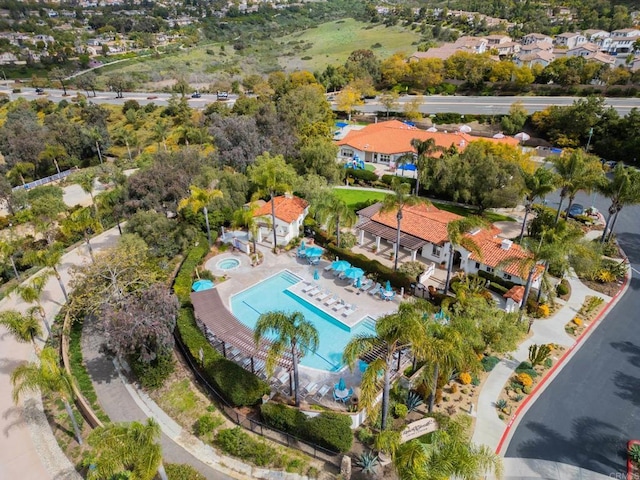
{"x":424,"y":237}
{"x":385,"y":142}
{"x":290,"y":212}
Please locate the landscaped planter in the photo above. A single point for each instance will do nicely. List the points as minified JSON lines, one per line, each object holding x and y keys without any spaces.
{"x":632,"y":469}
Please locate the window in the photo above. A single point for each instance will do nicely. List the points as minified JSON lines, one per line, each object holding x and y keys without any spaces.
{"x":385,"y":158}
{"x":506,"y":276}
{"x":436,"y":251}
{"x":478,"y":265}
{"x":489,"y":270}
{"x":347,"y":152}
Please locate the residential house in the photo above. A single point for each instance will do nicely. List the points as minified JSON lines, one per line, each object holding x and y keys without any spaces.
{"x":462,"y":44}
{"x":543,"y":58}
{"x":494,"y":40}
{"x":583,"y":50}
{"x":535,"y":38}
{"x":595,"y":35}
{"x":7,"y":58}
{"x":536,"y":47}
{"x":290,"y":212}
{"x":602,"y":58}
{"x":424,"y":237}
{"x":385,"y":142}
{"x":569,"y":40}
{"x":623,"y":41}
{"x":503,"y":44}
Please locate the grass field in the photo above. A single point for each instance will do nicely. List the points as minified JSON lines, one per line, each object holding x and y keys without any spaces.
{"x":333,"y":42}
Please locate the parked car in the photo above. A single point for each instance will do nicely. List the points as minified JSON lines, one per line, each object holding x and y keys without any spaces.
{"x":196,"y":95}
{"x":575,"y":210}
{"x":39,"y":91}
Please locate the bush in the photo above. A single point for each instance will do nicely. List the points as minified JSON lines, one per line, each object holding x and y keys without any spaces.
{"x":281,"y":417}
{"x":182,"y":282}
{"x":577,"y":321}
{"x":330,"y":430}
{"x":412,"y":269}
{"x":527,"y":390}
{"x":365,"y":435}
{"x":366,"y":176}
{"x":494,"y":279}
{"x":400,"y":410}
{"x":634,"y":453}
{"x":562,"y":288}
{"x":238,"y":443}
{"x":237,"y":385}
{"x":153,"y":374}
{"x":388,"y":180}
{"x":489,"y":362}
{"x":525,"y":379}
{"x":207,"y":424}
{"x":347,"y":240}
{"x":465,"y":378}
{"x":548,"y":363}
{"x":543,"y":311}
{"x":181,"y":471}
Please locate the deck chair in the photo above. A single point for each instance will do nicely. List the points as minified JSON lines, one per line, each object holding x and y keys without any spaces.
{"x":323,"y":295}
{"x":327,"y":268}
{"x":349,"y":311}
{"x":313,"y":292}
{"x":339,"y":306}
{"x":366,"y":285}
{"x":375,"y":289}
{"x":332,"y":300}
{"x":309,"y":389}
{"x":324,"y":389}
{"x":309,"y":287}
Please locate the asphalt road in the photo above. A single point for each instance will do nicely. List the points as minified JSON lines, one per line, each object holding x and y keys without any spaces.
{"x":430,"y":104}
{"x":591,"y":409}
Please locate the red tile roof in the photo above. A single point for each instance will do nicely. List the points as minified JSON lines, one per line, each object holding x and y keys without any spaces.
{"x":288,"y":208}
{"x":394,"y":137}
{"x":516,"y":293}
{"x":493,"y":253}
{"x":422,"y":221}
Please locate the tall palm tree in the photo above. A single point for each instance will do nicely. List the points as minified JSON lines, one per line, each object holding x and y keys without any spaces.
{"x":396,"y":201}
{"x":199,"y":200}
{"x":49,"y":260}
{"x":47,"y":376}
{"x":576,"y":171}
{"x":425,"y":149}
{"x":127,"y":137}
{"x":272,"y":175}
{"x":125,"y":449}
{"x":24,"y":328}
{"x":457,"y":235}
{"x":84,"y":222}
{"x":536,"y":185}
{"x":86,"y":179}
{"x":245,"y":218}
{"x":332,"y":210}
{"x":393,"y":333}
{"x":623,"y":189}
{"x":94,"y":134}
{"x":31,"y":292}
{"x":7,"y":250}
{"x":291,"y":333}
{"x":160,"y":131}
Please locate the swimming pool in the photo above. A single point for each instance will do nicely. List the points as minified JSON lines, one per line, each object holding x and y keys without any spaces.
{"x":228,"y":264}
{"x":272,"y":294}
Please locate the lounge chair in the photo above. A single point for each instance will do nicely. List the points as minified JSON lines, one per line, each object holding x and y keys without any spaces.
{"x":283,"y":379}
{"x":323,"y":295}
{"x":339,"y":306}
{"x":322,"y":392}
{"x":349,"y":311}
{"x":365,"y":286}
{"x":314,"y":260}
{"x":332,"y":300}
{"x":309,"y":389}
{"x":313,"y":292}
{"x":309,"y":287}
{"x":375,"y":289}
{"x":327,"y":268}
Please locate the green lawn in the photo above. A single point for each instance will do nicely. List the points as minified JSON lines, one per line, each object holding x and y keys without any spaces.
{"x":333,"y":42}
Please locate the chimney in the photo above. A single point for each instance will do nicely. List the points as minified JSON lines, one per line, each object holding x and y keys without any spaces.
{"x":288,"y":195}
{"x":506,"y":244}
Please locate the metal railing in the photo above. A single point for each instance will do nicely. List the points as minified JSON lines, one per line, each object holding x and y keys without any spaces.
{"x":45,"y":180}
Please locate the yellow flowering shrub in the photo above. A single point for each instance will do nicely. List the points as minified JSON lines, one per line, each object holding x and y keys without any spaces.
{"x":577,"y":321}
{"x":525,"y":379}
{"x":465,"y":378}
{"x":543,"y":311}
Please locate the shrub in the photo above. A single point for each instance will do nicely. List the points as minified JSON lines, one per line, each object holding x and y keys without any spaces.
{"x":634,"y":453}
{"x":562,"y":288}
{"x":454,"y":388}
{"x":281,"y":417}
{"x":527,"y":390}
{"x":207,"y":424}
{"x":465,"y":378}
{"x":548,"y":363}
{"x":330,"y":430}
{"x":489,"y":362}
{"x":538,"y":354}
{"x":238,"y":443}
{"x":502,"y":403}
{"x":237,"y":385}
{"x":365,"y":435}
{"x":475,"y":381}
{"x":413,"y":401}
{"x":577,"y":321}
{"x":363,"y":175}
{"x":347,"y":240}
{"x":153,"y":374}
{"x":182,"y":282}
{"x":543,"y":311}
{"x":181,"y":471}
{"x":388,"y":180}
{"x":412,"y":269}
{"x":525,"y":379}
{"x":368,"y":462}
{"x":400,"y":410}
{"x":523,"y":366}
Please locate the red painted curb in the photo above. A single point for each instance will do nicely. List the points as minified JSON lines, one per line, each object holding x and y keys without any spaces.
{"x":630,"y":474}
{"x":557,"y":364}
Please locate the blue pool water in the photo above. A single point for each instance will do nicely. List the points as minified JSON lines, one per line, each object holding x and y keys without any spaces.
{"x":271,"y":294}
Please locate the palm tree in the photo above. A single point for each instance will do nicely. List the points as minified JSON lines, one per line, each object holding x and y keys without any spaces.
{"x":393,"y":333}
{"x":122,"y":450}
{"x":47,"y":376}
{"x":272,"y":175}
{"x":86,"y":180}
{"x":31,"y":292}
{"x":292,"y":333}
{"x":332,"y":210}
{"x":576,"y":171}
{"x":245,"y":218}
{"x":94,"y":134}
{"x":7,"y":250}
{"x":49,"y":259}
{"x":82,"y":221}
{"x":111,"y":201}
{"x":199,"y":199}
{"x":24,"y":328}
{"x":396,"y":201}
{"x":623,"y":189}
{"x":160,"y":131}
{"x":536,"y":185}
{"x":457,"y":231}
{"x":126,"y":137}
{"x":424,"y":150}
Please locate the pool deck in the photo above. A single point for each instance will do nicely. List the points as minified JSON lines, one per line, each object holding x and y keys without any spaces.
{"x":246,"y":276}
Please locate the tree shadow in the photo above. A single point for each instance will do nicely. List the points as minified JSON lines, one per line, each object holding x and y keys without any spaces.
{"x":629,"y":387}
{"x":593,"y":445}
{"x":8,"y":365}
{"x":16,"y":419}
{"x":101,"y":369}
{"x":632,"y":349}
{"x":630,"y":243}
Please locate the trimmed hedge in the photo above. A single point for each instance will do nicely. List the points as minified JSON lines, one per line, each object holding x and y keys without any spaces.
{"x":397,"y":279}
{"x":182,"y":282}
{"x":495,"y":279}
{"x":329,"y":430}
{"x":489,"y":362}
{"x":388,"y":180}
{"x":363,"y":175}
{"x":239,"y":386}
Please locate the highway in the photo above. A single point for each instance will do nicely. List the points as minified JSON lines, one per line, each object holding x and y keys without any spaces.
{"x":429,"y":104}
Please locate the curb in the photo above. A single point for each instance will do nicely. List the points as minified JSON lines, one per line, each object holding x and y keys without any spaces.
{"x":558,"y":365}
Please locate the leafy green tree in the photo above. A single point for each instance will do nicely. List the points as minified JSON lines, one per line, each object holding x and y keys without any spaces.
{"x":393,"y":333}
{"x":51,"y":154}
{"x":87,"y":82}
{"x":395,"y":202}
{"x":291,"y":333}
{"x":245,"y":218}
{"x":457,"y":235}
{"x":83,"y":222}
{"x":119,"y":83}
{"x":59,"y":75}
{"x":576,"y":171}
{"x":49,"y":259}
{"x":425,"y":149}
{"x":622,"y":189}
{"x":272,"y":175}
{"x":199,"y":200}
{"x":24,"y":328}
{"x":160,"y":131}
{"x":389,"y":100}
{"x":31,"y":292}
{"x":536,"y":185}
{"x":332,"y":210}
{"x":125,"y":450}
{"x":513,"y":123}
{"x":8,"y":249}
{"x":318,"y":156}
{"x":46,"y":375}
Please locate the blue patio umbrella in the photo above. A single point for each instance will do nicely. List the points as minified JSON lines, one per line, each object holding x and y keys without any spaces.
{"x":341,"y":384}
{"x":201,"y":285}
{"x":387,"y":286}
{"x":409,"y":167}
{"x":353,"y":273}
{"x":340,"y":265}
{"x":359,"y":282}
{"x":316,"y":274}
{"x":314,"y":252}
{"x":341,"y":124}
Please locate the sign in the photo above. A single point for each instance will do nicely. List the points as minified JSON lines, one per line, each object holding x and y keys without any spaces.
{"x":419,"y":428}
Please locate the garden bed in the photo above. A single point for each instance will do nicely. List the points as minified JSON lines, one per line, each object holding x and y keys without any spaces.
{"x":610,"y":288}
{"x":589,"y":310}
